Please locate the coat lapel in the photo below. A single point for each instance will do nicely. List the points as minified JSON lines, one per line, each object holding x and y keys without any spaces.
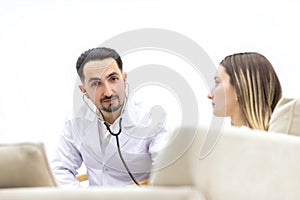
{"x":112,"y":146}
{"x":91,"y":140}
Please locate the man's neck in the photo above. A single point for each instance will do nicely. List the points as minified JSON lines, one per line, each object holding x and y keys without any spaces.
{"x":111,"y":117}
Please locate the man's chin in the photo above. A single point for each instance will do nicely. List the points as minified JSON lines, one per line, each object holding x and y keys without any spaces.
{"x":111,"y":109}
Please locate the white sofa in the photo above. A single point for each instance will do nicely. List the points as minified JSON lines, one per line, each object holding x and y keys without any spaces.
{"x":243,"y":164}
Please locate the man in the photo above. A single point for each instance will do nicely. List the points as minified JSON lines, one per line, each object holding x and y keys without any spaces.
{"x":92,"y":137}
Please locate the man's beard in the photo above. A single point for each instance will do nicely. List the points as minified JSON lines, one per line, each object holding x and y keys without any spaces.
{"x":111,"y":108}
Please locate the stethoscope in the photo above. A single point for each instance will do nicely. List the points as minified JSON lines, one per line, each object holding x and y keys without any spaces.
{"x":116,"y":134}
{"x":112,"y":133}
{"x":103,"y":121}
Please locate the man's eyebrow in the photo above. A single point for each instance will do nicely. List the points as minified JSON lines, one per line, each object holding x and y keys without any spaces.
{"x":112,"y":74}
{"x":99,"y":79}
{"x":94,"y":79}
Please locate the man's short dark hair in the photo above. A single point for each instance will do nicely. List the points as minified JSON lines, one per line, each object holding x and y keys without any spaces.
{"x":99,"y":53}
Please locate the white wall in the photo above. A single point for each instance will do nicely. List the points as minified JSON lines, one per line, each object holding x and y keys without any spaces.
{"x":40,"y":42}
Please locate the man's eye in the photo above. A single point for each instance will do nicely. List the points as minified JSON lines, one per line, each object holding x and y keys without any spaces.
{"x":114,"y":78}
{"x":94,"y":84}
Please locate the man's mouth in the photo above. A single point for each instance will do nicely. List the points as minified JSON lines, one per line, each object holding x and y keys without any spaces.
{"x":109,"y":99}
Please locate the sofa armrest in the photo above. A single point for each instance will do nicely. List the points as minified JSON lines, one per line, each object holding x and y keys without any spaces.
{"x":111,"y":193}
{"x":24,"y":165}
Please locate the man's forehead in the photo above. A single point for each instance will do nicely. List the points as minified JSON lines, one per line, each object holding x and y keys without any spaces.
{"x":100,"y":64}
{"x":100,"y":67}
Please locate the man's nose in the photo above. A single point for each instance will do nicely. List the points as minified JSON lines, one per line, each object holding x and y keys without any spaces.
{"x":108,"y":91}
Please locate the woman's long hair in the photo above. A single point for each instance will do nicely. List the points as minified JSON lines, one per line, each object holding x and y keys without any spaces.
{"x":257,"y":87}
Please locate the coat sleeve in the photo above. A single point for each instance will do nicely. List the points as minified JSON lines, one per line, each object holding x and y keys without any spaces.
{"x":67,"y":158}
{"x":160,"y":141}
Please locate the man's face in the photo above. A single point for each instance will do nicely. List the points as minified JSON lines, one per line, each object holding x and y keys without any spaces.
{"x":104,"y":84}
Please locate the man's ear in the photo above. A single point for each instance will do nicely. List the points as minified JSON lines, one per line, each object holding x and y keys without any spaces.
{"x":83,"y":91}
{"x":124,"y":76}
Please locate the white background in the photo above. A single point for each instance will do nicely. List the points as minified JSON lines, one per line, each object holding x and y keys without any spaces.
{"x":41,"y":40}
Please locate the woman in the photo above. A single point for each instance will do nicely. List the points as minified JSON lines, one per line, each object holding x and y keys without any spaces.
{"x":247,"y":90}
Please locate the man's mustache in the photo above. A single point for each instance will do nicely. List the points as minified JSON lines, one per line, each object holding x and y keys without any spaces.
{"x":109,"y":98}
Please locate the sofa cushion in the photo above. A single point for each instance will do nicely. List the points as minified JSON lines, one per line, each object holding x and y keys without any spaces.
{"x":24,"y":165}
{"x":244,"y":164}
{"x":286,"y":117}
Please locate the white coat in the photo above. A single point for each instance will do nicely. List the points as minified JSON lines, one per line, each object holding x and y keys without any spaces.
{"x":140,"y":141}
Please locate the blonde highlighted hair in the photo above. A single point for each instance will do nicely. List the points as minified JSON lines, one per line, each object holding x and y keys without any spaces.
{"x":257,"y":87}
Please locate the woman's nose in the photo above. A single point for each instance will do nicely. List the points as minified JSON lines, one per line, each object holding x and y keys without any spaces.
{"x":210,"y":95}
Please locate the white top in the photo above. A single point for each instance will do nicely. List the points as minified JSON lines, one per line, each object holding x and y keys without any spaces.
{"x":86,"y":139}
